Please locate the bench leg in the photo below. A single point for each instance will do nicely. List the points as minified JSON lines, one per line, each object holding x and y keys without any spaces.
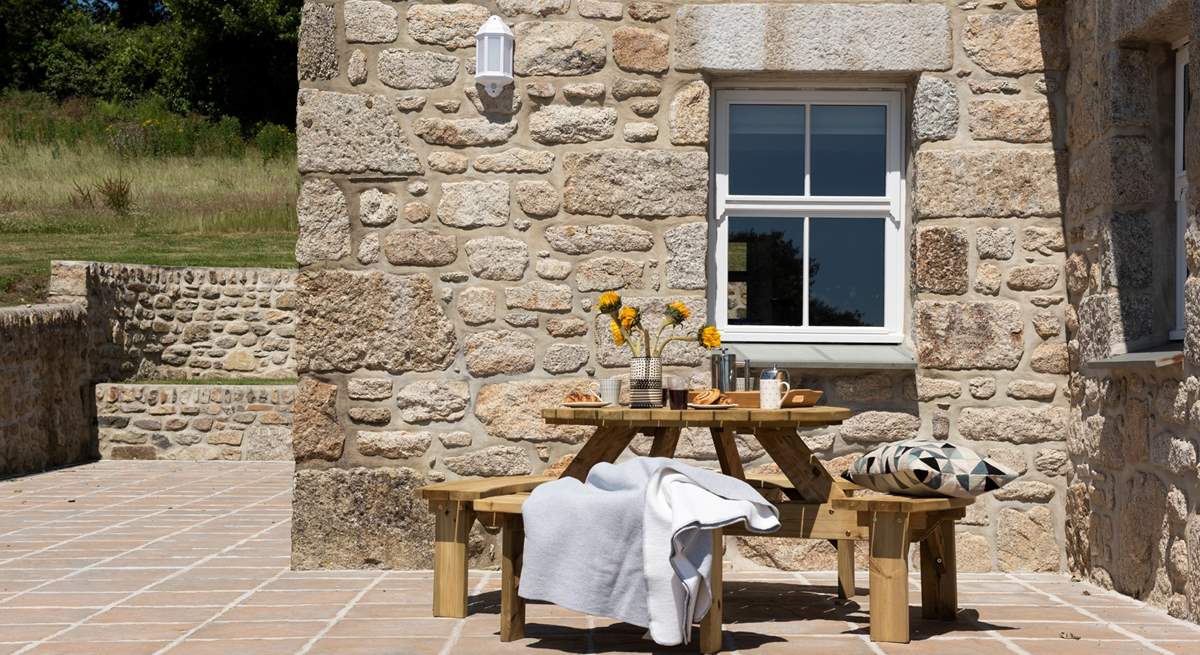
{"x":512,"y":606}
{"x":939,"y":574}
{"x":452,"y":531}
{"x":845,"y":553}
{"x":710,"y":625}
{"x":889,"y":577}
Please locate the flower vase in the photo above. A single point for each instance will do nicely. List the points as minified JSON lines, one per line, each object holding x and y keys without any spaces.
{"x":645,"y":382}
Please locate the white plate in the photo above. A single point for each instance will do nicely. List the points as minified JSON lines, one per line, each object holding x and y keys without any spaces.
{"x":585,"y":405}
{"x":699,"y":406}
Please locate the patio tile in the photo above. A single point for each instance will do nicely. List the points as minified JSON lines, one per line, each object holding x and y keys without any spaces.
{"x":84,"y":648}
{"x":380,"y":646}
{"x":259,"y":629}
{"x":767,"y":612}
{"x":239,"y":646}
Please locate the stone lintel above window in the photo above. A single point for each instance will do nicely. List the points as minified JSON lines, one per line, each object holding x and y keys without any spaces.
{"x":833,"y":38}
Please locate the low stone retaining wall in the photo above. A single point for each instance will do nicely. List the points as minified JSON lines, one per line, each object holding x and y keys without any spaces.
{"x":45,"y":401}
{"x":165,"y":322}
{"x":195,"y":422}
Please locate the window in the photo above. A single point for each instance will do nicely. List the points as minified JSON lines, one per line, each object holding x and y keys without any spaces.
{"x":809,"y":196}
{"x":1183,"y":105}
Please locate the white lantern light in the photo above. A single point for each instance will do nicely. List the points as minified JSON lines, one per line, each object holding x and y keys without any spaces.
{"x":493,"y":56}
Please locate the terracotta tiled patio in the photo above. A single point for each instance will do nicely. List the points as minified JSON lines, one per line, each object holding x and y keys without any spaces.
{"x":117,"y":558}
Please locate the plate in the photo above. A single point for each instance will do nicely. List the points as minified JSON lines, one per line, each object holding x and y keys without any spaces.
{"x":585,"y":405}
{"x":699,"y":406}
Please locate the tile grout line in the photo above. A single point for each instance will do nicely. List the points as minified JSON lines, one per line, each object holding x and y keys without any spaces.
{"x":456,"y":633}
{"x":874,"y":647}
{"x":129,"y":520}
{"x":155,"y":583}
{"x":232,"y":604}
{"x":178,"y":532}
{"x":1092,"y":615}
{"x":341,"y":614}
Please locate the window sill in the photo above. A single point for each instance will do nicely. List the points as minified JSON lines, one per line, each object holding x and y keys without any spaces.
{"x":1160,"y":356}
{"x":826,"y":355}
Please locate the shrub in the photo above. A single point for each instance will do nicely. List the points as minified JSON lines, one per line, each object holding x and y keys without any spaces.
{"x":274,"y":141}
{"x":81,"y":197}
{"x":117,"y":193}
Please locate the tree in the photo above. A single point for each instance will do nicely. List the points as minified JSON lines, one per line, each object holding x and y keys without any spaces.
{"x":24,"y":25}
{"x":241,"y":56}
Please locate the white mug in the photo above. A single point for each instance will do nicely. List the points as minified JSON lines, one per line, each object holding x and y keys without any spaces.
{"x":770,"y":393}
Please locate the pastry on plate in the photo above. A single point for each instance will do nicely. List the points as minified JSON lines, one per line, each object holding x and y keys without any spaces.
{"x":581,"y":397}
{"x":711,"y":397}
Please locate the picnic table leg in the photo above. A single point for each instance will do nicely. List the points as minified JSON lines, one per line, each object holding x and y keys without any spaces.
{"x":452,"y":530}
{"x":666,"y":440}
{"x":845,"y":554}
{"x":889,"y":577}
{"x":512,"y":606}
{"x":939,"y":573}
{"x":727,"y":453}
{"x":710,"y":625}
{"x":605,"y":445}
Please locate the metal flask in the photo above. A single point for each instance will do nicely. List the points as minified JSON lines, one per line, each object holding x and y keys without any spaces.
{"x":724,"y":370}
{"x":773,"y":372}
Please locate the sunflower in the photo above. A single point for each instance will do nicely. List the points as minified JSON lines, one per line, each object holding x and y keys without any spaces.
{"x":677,"y":312}
{"x":630,"y":317}
{"x":709,"y":337}
{"x":618,"y":336}
{"x":610,"y":301}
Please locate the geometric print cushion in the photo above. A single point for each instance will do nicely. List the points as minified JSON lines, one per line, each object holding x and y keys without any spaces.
{"x":923,"y":467}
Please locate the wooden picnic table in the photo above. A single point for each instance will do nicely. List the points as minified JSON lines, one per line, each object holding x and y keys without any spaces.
{"x":818,"y":506}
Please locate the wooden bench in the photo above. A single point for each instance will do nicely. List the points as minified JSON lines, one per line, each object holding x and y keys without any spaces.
{"x":889,"y":524}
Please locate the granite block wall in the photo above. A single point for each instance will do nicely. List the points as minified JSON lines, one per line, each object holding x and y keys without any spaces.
{"x":452,"y":245}
{"x":186,"y":323}
{"x":45,"y":396}
{"x":195,"y":421}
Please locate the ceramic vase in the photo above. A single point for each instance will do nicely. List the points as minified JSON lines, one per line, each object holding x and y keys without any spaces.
{"x":645,"y":382}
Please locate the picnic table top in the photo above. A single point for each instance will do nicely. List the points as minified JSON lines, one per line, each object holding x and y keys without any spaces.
{"x":713,"y":418}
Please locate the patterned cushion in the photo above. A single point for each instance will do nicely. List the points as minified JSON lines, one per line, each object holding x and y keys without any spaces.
{"x":922,"y":467}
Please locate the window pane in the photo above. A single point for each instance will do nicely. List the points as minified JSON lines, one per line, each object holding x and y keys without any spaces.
{"x":845,"y":272}
{"x":766,"y":150}
{"x":766,"y":271}
{"x":849,"y":150}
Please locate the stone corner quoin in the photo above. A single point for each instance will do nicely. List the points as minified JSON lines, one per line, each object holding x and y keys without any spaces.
{"x":452,"y":245}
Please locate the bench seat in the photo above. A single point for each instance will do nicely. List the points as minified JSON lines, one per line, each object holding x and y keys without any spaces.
{"x":890,"y":523}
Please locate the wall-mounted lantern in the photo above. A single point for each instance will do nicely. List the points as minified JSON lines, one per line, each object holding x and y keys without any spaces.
{"x":494,"y":56}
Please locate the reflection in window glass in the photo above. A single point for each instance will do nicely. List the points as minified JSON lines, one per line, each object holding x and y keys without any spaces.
{"x":766,"y":271}
{"x":845,"y":270}
{"x":766,"y":150}
{"x":849,"y":150}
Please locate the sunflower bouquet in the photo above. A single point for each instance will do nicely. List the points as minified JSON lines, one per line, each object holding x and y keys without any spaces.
{"x":627,"y":327}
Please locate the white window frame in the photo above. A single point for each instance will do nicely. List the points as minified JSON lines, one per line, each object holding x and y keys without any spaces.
{"x":889,"y":207}
{"x":1181,"y":187}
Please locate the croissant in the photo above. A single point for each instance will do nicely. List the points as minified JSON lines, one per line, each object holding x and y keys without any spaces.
{"x":581,"y":397}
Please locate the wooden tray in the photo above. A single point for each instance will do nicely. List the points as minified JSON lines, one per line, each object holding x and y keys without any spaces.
{"x":793,"y":398}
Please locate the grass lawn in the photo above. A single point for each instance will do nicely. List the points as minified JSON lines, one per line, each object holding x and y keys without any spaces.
{"x":183,"y":211}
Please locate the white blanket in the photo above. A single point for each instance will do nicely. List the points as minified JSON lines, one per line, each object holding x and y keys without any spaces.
{"x":631,"y":543}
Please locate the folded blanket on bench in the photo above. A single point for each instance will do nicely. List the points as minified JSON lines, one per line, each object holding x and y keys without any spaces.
{"x":630,"y":543}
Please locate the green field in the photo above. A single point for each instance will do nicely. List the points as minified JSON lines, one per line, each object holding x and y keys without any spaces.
{"x":70,"y":195}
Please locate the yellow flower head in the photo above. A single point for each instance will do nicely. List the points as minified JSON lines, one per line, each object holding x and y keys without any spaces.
{"x":629,"y":317}
{"x":610,"y":301}
{"x":618,"y":336}
{"x":677,"y":312}
{"x":709,"y":337}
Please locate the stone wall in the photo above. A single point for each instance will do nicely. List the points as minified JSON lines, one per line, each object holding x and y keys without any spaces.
{"x":451,"y":245}
{"x":1133,"y":483}
{"x":45,"y":399}
{"x":164,"y":322}
{"x":195,"y":422}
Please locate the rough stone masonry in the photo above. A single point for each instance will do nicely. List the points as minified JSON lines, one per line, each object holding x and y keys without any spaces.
{"x":452,"y":244}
